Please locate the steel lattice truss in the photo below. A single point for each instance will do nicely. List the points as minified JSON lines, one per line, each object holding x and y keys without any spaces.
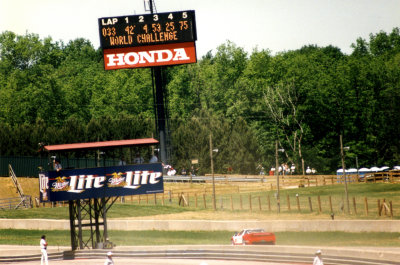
{"x":88,"y":222}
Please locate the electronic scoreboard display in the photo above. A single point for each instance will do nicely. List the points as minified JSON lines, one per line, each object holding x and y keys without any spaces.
{"x":148,"y":29}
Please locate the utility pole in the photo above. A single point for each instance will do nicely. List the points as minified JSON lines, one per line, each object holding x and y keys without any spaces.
{"x":344,"y":175}
{"x":277,"y":178}
{"x":212,"y":173}
{"x":160,"y":106}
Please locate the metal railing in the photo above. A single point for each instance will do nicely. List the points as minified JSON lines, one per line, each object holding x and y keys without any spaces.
{"x":16,"y":202}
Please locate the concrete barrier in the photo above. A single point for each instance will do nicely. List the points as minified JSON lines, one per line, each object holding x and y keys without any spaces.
{"x":210,"y":225}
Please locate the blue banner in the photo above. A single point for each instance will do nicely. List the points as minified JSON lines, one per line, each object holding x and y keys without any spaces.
{"x":75,"y":184}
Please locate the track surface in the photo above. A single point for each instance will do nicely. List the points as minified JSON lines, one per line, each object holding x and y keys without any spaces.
{"x":125,"y":261}
{"x":203,"y":255}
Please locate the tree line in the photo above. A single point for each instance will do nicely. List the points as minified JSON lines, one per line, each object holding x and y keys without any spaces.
{"x":53,"y":93}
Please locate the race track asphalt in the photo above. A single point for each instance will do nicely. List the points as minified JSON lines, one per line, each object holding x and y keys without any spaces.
{"x":125,"y":261}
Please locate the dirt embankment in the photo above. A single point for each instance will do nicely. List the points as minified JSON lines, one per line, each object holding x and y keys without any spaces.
{"x":30,"y":186}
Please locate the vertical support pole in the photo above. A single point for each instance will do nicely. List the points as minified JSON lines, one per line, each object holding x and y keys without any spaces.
{"x":72,"y":225}
{"x":278,"y":202}
{"x":298,"y":203}
{"x":160,"y":110}
{"x":384,"y":206}
{"x":310,"y":203}
{"x":250,"y":206}
{"x":104,"y":209}
{"x":96,"y":217}
{"x":160,"y":106}
{"x":358,"y":173}
{"x":354,"y":205}
{"x":344,"y":175}
{"x":78,"y":206}
{"x":319,"y":204}
{"x":379,"y":207}
{"x":91,"y":210}
{"x":212,"y":172}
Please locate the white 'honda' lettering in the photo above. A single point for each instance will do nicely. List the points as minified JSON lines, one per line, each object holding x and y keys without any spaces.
{"x":144,"y":57}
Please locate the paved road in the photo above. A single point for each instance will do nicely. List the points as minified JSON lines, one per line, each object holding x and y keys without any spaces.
{"x":123,"y":261}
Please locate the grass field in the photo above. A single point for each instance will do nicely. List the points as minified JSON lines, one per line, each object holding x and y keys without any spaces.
{"x":150,"y":238}
{"x":247,"y":202}
{"x":300,"y":203}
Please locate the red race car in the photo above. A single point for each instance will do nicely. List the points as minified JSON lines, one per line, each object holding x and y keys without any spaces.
{"x":252,"y":237}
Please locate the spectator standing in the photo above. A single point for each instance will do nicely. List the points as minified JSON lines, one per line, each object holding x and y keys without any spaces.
{"x":193,"y":171}
{"x":122,"y":162}
{"x":183,"y":172}
{"x":292,"y":169}
{"x":261,"y":169}
{"x":272,"y":171}
{"x":154,"y":158}
{"x":57,"y":165}
{"x":43,"y":248}
{"x":138,"y":159}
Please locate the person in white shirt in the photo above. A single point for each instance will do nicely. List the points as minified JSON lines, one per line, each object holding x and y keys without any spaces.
{"x":43,"y":249}
{"x":154,"y":158}
{"x":57,"y":165}
{"x":318,"y":259}
{"x":109,"y":260}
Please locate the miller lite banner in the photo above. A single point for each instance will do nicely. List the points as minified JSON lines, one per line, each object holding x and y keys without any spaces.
{"x":75,"y":184}
{"x":148,"y":56}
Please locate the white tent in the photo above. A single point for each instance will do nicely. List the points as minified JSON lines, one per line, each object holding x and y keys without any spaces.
{"x":364,"y":170}
{"x":375,"y":169}
{"x":351,"y":171}
{"x":340,"y":171}
{"x":384,"y":168}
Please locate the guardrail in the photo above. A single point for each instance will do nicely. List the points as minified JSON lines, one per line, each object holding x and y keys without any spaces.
{"x":237,"y":253}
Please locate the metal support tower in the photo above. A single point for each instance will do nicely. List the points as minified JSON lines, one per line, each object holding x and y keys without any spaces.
{"x":161,"y":110}
{"x":88,"y":223}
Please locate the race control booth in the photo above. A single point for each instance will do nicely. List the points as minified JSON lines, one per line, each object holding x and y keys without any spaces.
{"x":91,"y":191}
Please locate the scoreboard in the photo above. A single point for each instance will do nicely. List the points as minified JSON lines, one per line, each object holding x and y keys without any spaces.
{"x":147,"y":29}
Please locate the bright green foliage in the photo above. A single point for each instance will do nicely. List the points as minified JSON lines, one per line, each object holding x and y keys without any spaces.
{"x":53,"y":92}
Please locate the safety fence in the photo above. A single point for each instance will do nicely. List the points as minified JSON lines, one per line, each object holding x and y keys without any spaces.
{"x":255,"y":200}
{"x":330,"y":205}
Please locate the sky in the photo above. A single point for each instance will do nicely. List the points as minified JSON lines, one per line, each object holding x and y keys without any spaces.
{"x":275,"y":25}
